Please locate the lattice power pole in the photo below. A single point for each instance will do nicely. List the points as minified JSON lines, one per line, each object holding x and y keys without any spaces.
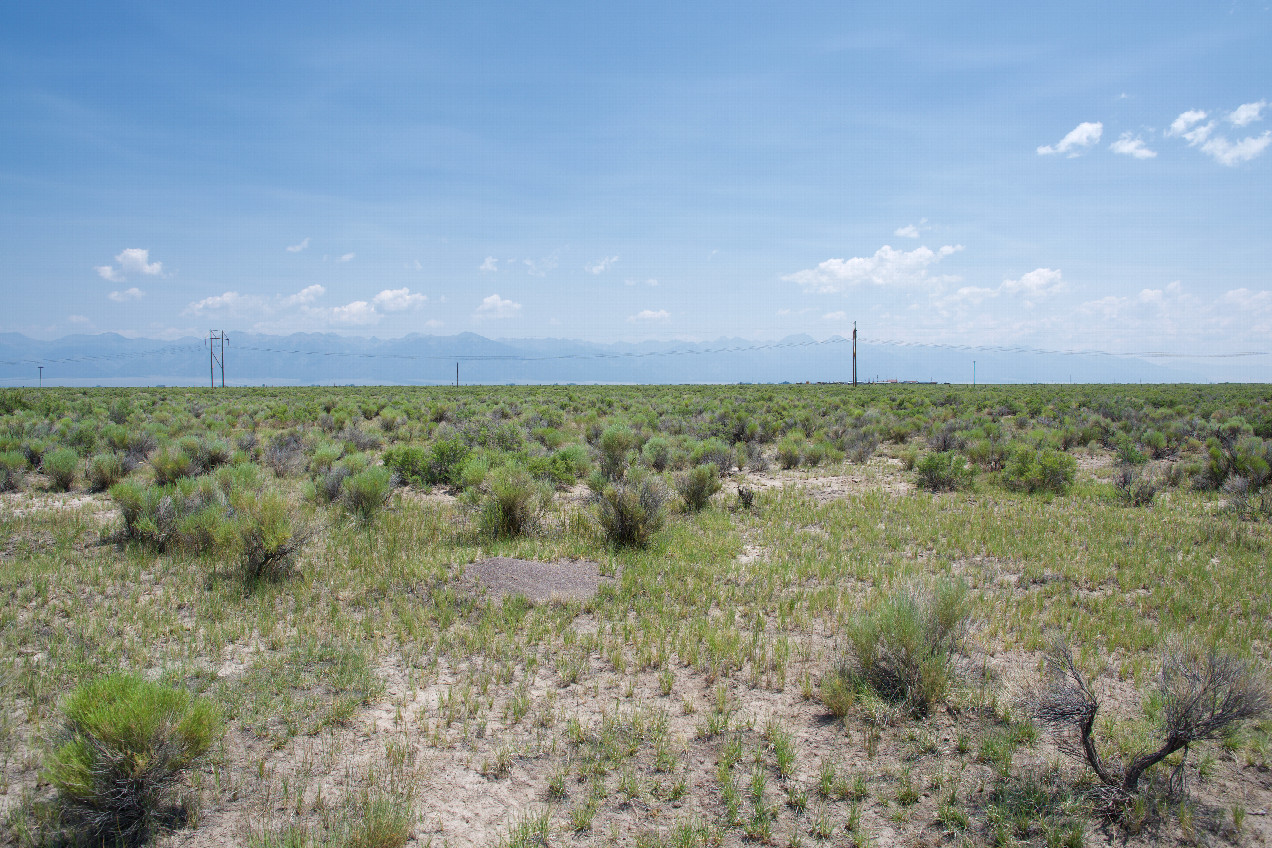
{"x":217,"y":339}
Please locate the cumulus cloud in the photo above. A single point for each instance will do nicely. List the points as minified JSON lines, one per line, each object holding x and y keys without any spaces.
{"x":651,"y":315}
{"x":1079,"y":139}
{"x":839,"y":315}
{"x":1130,"y":145}
{"x":649,"y":282}
{"x":126,"y":295}
{"x":305,"y":296}
{"x":230,"y":301}
{"x":355,"y":313}
{"x":398,"y":300}
{"x":491,"y":264}
{"x":1247,"y":113}
{"x":495,"y":306}
{"x":1235,"y":152}
{"x":347,"y":257}
{"x":1190,"y":128}
{"x":132,"y":260}
{"x":887,"y":267}
{"x":297,"y":248}
{"x":908,"y":231}
{"x":602,"y":265}
{"x":1037,"y":284}
{"x":541,"y":267}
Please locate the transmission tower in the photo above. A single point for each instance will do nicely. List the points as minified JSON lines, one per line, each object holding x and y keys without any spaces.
{"x":217,"y":340}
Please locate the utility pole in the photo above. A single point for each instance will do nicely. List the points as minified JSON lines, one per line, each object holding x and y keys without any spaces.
{"x":41,"y":367}
{"x":457,"y":375}
{"x":854,"y":353}
{"x":973,"y":373}
{"x":216,"y":340}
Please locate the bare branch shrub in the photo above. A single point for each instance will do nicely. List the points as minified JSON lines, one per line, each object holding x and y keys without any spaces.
{"x":1203,"y":692}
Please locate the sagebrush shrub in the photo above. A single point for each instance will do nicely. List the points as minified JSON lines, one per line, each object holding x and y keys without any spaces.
{"x":941,"y":472}
{"x":269,"y":538}
{"x":410,"y":462}
{"x":105,"y":470}
{"x":1135,"y":487}
{"x":1046,"y":470}
{"x":60,"y":465}
{"x":790,"y":450}
{"x":124,"y":745}
{"x":631,"y":510}
{"x":697,"y":485}
{"x":445,"y":461}
{"x":512,"y":502}
{"x":904,"y":649}
{"x":12,"y":464}
{"x":615,"y":446}
{"x":365,"y":493}
{"x":171,"y":463}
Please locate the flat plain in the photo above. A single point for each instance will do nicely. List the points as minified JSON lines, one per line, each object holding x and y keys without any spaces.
{"x":422,"y":619}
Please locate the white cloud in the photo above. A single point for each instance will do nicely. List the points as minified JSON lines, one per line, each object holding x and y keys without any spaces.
{"x":651,"y":315}
{"x":1185,"y":121}
{"x":132,"y":260}
{"x":491,"y":264}
{"x":357,"y":312}
{"x":1247,"y":113}
{"x":306,"y":295}
{"x":135,"y":260}
{"x":230,"y":301}
{"x":133,"y":293}
{"x":1079,"y":139}
{"x":398,"y":300}
{"x":1040,"y":282}
{"x":888,"y":267}
{"x":297,"y":248}
{"x":78,"y":319}
{"x":1036,"y":285}
{"x":1129,"y":145}
{"x":908,"y":231}
{"x":835,"y":316}
{"x":495,"y":306}
{"x":650,"y":282}
{"x":602,"y":265}
{"x":541,"y":267}
{"x":1234,"y":153}
{"x":347,"y":257}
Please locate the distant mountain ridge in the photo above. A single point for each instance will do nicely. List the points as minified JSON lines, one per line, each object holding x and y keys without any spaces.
{"x":416,"y":359}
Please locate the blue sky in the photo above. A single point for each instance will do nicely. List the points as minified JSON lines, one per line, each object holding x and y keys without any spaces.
{"x":1083,"y":175}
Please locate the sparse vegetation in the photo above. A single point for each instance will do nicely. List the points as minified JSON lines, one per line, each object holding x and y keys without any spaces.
{"x":683,"y":685}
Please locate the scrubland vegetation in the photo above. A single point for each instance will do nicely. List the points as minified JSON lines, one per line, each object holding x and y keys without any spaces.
{"x":885,"y":615}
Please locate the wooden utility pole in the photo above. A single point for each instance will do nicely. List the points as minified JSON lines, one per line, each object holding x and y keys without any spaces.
{"x":457,"y":375}
{"x":41,"y":367}
{"x":854,"y":353}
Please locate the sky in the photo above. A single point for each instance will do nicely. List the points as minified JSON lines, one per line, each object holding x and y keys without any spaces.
{"x":1062,"y":176}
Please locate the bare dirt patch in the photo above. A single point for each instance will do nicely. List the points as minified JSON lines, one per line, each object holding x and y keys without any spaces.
{"x":538,"y":581}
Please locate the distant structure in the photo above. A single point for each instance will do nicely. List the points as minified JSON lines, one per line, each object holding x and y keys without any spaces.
{"x":216,"y":338}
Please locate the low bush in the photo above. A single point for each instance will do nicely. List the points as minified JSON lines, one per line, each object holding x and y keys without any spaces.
{"x":943,"y":472}
{"x":410,"y":462}
{"x":124,"y":745}
{"x":445,"y":461}
{"x":268,"y":536}
{"x":365,"y":493}
{"x":105,"y":470}
{"x":903,"y":650}
{"x":790,"y":450}
{"x":1046,"y":470}
{"x":657,"y":453}
{"x":631,"y":510}
{"x":61,"y":465}
{"x":512,"y":502}
{"x":170,"y":464}
{"x":12,"y":465}
{"x":1134,"y":486}
{"x":697,"y":485}
{"x":614,"y":449}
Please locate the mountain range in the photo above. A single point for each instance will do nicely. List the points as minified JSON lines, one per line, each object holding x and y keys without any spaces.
{"x":109,"y":359}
